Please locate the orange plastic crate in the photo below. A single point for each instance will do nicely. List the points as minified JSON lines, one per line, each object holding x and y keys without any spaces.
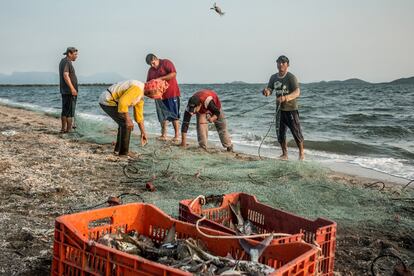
{"x":267,"y":219}
{"x":75,"y":253}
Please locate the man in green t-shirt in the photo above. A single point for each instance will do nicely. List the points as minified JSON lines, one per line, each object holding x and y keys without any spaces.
{"x":287,"y":91}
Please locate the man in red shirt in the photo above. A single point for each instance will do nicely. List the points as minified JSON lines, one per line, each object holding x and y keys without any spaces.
{"x":168,"y":108}
{"x":207,"y":106}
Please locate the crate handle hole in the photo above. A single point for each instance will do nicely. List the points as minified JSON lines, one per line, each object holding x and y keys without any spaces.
{"x":100,"y":222}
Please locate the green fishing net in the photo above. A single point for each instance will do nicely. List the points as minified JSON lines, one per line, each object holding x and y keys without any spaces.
{"x":303,"y":188}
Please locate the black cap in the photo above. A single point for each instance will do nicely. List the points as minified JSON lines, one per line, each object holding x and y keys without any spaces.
{"x":70,"y":50}
{"x":193,"y":102}
{"x":149,"y":58}
{"x":283,"y":59}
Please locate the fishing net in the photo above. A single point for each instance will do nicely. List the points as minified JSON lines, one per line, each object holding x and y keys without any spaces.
{"x":303,"y":188}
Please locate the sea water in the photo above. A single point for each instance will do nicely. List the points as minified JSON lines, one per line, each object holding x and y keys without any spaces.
{"x":371,"y":125}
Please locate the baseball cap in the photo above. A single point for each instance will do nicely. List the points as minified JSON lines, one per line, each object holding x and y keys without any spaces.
{"x":283,"y":59}
{"x":70,"y":50}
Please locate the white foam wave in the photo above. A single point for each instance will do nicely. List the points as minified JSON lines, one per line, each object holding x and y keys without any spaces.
{"x":390,"y":166}
{"x":29,"y":106}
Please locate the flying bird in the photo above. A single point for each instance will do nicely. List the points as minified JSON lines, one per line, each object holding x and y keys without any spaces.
{"x":217,"y":9}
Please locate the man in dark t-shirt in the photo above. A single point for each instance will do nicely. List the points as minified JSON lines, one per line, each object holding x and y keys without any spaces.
{"x":287,"y":91}
{"x":68,"y":88}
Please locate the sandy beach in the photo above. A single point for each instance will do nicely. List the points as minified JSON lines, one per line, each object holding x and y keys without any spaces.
{"x":44,"y":174}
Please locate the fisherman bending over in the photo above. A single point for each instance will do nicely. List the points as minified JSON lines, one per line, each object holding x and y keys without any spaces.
{"x":207,"y":106}
{"x":116,"y":100}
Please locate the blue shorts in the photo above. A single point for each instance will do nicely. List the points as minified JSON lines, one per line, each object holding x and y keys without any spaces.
{"x":168,"y":109}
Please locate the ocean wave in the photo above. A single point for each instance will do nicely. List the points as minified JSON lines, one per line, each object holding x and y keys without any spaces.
{"x":392,"y":166}
{"x":363,"y":117}
{"x":343,"y":147}
{"x":30,"y":106}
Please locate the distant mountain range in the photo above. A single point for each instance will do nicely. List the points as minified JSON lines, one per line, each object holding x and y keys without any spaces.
{"x":348,"y":81}
{"x":355,"y":81}
{"x":403,"y":81}
{"x":20,"y":78}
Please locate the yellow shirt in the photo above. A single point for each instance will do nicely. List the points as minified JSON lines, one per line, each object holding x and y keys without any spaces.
{"x":126,"y":94}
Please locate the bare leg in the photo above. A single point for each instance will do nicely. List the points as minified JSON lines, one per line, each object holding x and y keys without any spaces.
{"x":284,"y":155}
{"x":301,"y":151}
{"x":69,"y":124}
{"x":176,"y":125}
{"x":164,"y":125}
{"x":64,"y":123}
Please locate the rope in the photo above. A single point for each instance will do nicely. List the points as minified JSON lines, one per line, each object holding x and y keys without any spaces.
{"x":250,"y":110}
{"x":386,"y":255}
{"x":274,"y":121}
{"x":237,"y":237}
{"x":106,"y":201}
{"x":241,"y":113}
{"x":408,"y":184}
{"x":195,"y":200}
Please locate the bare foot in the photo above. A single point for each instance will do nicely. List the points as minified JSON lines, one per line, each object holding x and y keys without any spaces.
{"x":130,"y":155}
{"x":283,"y":157}
{"x":162,"y":138}
{"x":176,"y":139}
{"x":301,"y":157}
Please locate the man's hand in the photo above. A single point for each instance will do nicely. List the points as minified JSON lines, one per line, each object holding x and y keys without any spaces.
{"x":144,"y":139}
{"x":267,"y":92}
{"x":129,"y":124}
{"x":74,"y":92}
{"x":281,"y":99}
{"x":212,"y":119}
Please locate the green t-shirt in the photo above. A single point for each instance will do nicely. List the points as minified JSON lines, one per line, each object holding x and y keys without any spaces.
{"x":285,"y":86}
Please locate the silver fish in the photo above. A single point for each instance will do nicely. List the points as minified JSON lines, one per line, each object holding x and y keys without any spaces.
{"x":256,"y":251}
{"x":236,"y":211}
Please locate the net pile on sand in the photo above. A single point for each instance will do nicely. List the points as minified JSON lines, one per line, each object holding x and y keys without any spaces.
{"x":303,"y":188}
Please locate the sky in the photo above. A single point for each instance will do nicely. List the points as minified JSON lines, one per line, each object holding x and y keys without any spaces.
{"x":324,"y":39}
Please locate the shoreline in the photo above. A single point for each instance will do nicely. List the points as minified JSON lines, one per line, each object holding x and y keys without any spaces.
{"x":45,"y":174}
{"x":341,"y":166}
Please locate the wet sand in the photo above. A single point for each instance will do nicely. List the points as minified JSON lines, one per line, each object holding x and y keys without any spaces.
{"x":44,"y":174}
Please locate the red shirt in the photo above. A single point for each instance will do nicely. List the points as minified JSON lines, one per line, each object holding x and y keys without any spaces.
{"x":166,"y":67}
{"x":203,"y":95}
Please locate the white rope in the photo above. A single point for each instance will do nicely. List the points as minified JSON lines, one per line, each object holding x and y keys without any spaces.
{"x":236,"y":236}
{"x":195,"y":200}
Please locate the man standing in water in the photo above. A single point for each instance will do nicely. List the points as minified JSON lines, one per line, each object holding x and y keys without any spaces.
{"x":168,"y":108}
{"x":68,"y":88}
{"x":287,"y":91}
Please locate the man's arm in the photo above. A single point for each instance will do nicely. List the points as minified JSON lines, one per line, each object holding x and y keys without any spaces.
{"x":170,"y":69}
{"x":184,"y":128}
{"x":295,"y":93}
{"x":144,"y":139}
{"x":139,"y":118}
{"x":69,"y":83}
{"x":214,"y":110}
{"x":270,"y":86}
{"x":168,"y":76}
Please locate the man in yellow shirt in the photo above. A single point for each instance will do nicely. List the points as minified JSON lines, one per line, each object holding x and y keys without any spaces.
{"x":117,"y":99}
